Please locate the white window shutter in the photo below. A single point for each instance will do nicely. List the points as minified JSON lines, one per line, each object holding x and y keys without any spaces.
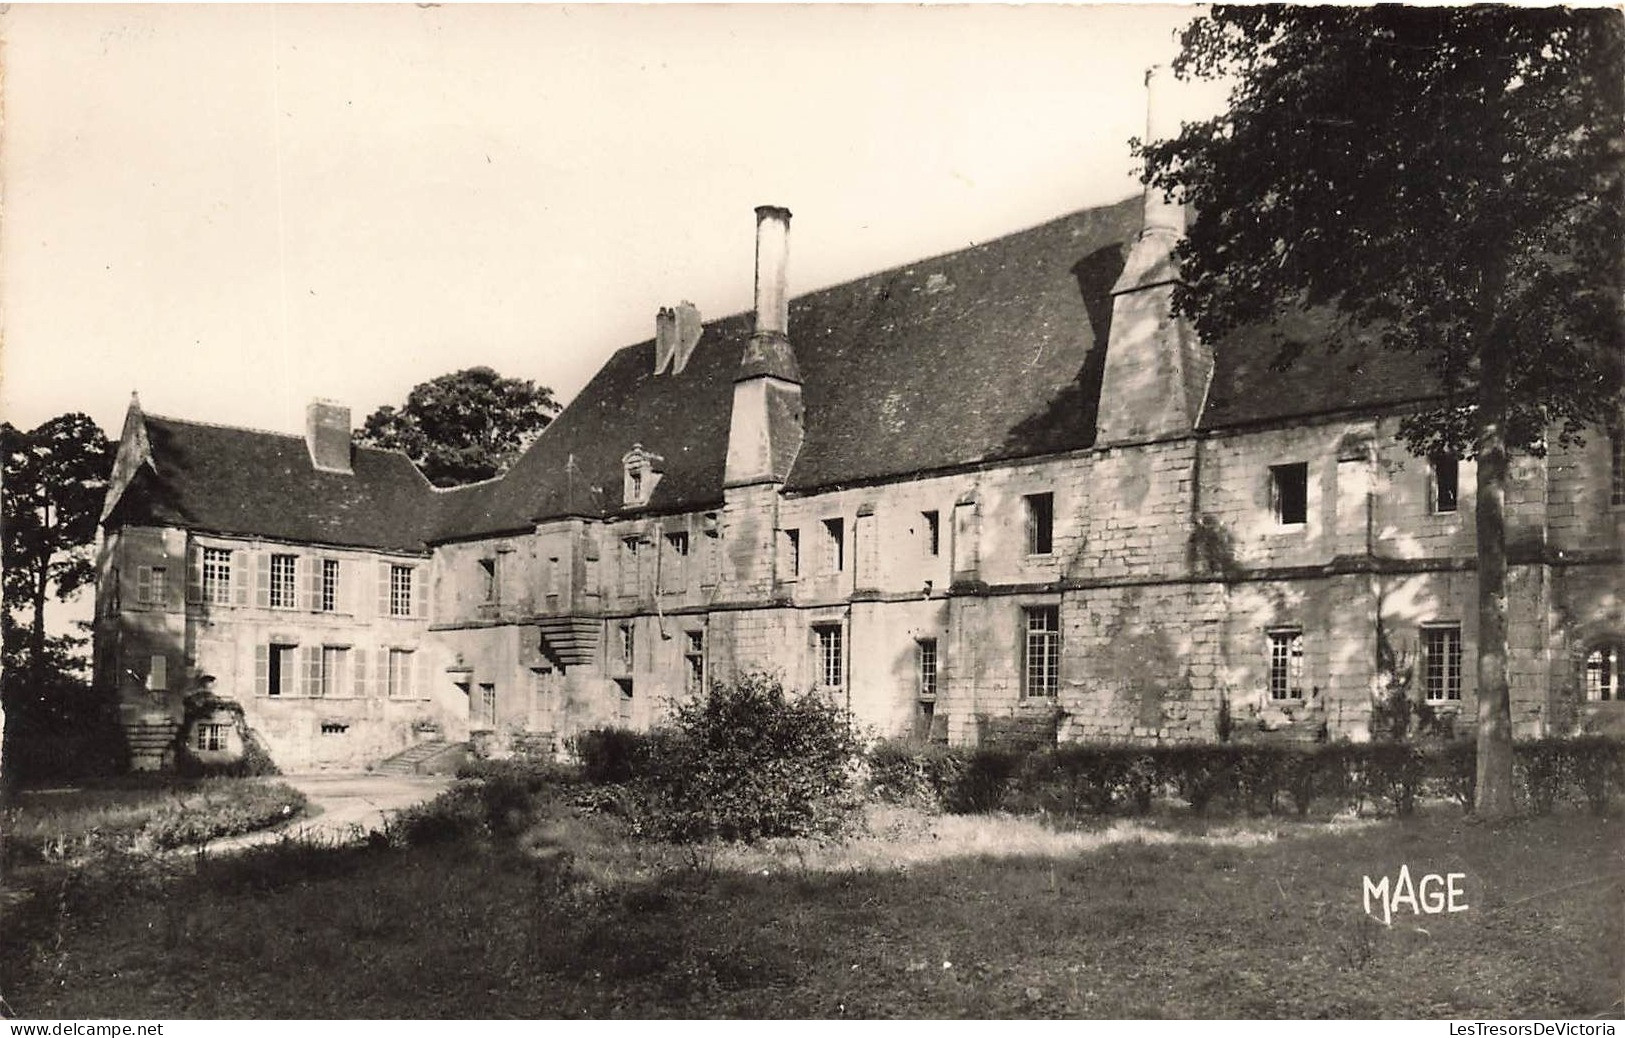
{"x":311,"y":568}
{"x":383,"y":589}
{"x":241,"y":571}
{"x":262,"y":670}
{"x":360,"y":672}
{"x":262,"y":579}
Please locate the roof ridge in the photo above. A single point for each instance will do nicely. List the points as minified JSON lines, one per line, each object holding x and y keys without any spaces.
{"x":269,"y":432}
{"x":901,"y":267}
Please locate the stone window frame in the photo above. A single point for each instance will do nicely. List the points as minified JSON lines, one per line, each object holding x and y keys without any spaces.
{"x":1285,"y":663}
{"x":399,"y":680}
{"x":283,"y":590}
{"x":1442,"y":651}
{"x":327,"y":586}
{"x":1610,"y":652}
{"x":1444,"y":494}
{"x":335,"y":673}
{"x":209,"y":736}
{"x":931,"y":532}
{"x":281,"y":682}
{"x":694,"y":661}
{"x":834,"y":544}
{"x":829,"y":655}
{"x":1285,"y":501}
{"x":1038,"y":513}
{"x":1045,"y":682}
{"x":400,"y":590}
{"x":216,"y":564}
{"x":927,"y":669}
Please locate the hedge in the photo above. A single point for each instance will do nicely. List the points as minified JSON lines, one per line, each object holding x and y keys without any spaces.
{"x":1082,"y":779}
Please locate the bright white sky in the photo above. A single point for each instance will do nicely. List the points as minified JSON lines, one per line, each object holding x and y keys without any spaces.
{"x":235,"y":209}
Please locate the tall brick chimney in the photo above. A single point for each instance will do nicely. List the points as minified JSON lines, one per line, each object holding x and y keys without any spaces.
{"x":765,"y":432}
{"x":327,"y":435}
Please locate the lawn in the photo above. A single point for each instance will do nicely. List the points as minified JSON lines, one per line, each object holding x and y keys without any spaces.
{"x":925,"y":916}
{"x":139,"y":813}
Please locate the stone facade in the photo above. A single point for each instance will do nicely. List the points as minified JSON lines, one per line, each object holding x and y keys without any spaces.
{"x":1168,"y":576}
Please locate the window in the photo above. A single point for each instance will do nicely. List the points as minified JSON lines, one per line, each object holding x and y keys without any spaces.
{"x":282,"y":581}
{"x":330,"y":585}
{"x":1286,"y":663}
{"x":335,"y":669}
{"x":792,"y":547}
{"x":485,"y":706}
{"x":932,"y":532}
{"x":634,"y":485}
{"x":925,"y":652}
{"x":488,"y":579}
{"x":113,"y":591}
{"x":627,"y":647}
{"x":1617,"y":494}
{"x":281,"y":670}
{"x":1441,"y":663}
{"x":1041,"y":670}
{"x":1040,"y":523}
{"x":400,"y":591}
{"x":1289,"y":493}
{"x":831,"y":664}
{"x":1602,"y":674}
{"x":1443,"y":490}
{"x":209,"y":737}
{"x":676,"y":576}
{"x":694,"y":662}
{"x":217,"y":576}
{"x":400,"y":673}
{"x":151,"y":585}
{"x":158,"y":673}
{"x":629,"y":566}
{"x":834,"y":545}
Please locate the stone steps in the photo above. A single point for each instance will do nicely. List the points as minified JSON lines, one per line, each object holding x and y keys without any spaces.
{"x":424,"y":758}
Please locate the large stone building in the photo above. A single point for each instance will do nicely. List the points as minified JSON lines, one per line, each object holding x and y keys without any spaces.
{"x":996,"y":491}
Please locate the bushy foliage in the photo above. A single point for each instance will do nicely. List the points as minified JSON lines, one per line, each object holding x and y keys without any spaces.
{"x":911,"y":773}
{"x":613,"y":755}
{"x":749,"y":760}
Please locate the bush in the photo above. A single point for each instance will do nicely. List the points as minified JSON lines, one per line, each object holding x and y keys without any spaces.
{"x":908,"y":773}
{"x":747,"y":760}
{"x":981,"y":784}
{"x":613,"y":755}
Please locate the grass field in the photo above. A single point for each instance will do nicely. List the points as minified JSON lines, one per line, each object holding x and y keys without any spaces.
{"x":927,"y":916}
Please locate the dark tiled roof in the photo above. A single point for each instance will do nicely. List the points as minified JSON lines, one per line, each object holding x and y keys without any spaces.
{"x":991,"y":353}
{"x":988,"y":353}
{"x":1291,"y":368}
{"x":252,"y":483}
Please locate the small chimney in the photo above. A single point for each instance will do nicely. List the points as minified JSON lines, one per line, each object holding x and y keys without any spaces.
{"x":1161,"y":215}
{"x":665,"y":338}
{"x":688,"y":335}
{"x":327,"y":436}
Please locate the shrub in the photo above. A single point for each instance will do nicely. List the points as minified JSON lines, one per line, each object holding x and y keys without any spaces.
{"x":532,"y":773}
{"x":981,"y":785}
{"x":911,"y":773}
{"x":613,"y":755}
{"x":748,"y":760}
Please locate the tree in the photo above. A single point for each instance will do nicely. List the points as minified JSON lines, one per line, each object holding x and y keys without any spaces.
{"x":465,"y":426}
{"x":1448,"y":179}
{"x":55,"y":477}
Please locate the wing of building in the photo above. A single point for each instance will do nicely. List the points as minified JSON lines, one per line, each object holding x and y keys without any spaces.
{"x":997,"y":494}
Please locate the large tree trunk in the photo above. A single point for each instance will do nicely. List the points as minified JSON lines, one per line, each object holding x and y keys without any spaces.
{"x":1492,"y":797}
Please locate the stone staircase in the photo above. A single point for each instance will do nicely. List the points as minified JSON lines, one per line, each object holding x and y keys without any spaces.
{"x":435,"y":757}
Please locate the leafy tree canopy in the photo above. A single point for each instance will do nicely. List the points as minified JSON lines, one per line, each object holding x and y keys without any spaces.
{"x":465,"y":426}
{"x":1450,"y":176}
{"x":55,"y":477}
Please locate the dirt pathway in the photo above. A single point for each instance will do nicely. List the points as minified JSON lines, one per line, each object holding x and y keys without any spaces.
{"x":343,"y":808}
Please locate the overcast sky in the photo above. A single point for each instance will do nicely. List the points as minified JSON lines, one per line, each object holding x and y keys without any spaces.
{"x":235,"y":209}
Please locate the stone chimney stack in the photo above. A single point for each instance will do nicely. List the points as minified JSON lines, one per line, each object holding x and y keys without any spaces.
{"x":327,"y":435}
{"x":1161,"y":215}
{"x":765,"y":432}
{"x":1156,"y":370}
{"x":768,"y":352}
{"x":665,"y":338}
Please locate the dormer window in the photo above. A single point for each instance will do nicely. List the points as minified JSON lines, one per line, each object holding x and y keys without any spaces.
{"x":641,"y":471}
